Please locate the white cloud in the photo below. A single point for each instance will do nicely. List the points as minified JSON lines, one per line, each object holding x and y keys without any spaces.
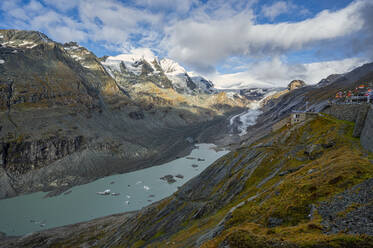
{"x":179,"y":6}
{"x":275,"y":73}
{"x":114,"y":23}
{"x":142,"y":52}
{"x":110,"y":22}
{"x":276,"y":9}
{"x":202,"y":44}
{"x":62,"y":5}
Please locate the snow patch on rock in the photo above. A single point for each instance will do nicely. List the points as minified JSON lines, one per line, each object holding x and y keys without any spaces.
{"x":170,"y":67}
{"x":24,"y":44}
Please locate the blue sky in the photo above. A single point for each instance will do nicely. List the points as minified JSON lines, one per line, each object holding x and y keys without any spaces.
{"x":235,"y":43}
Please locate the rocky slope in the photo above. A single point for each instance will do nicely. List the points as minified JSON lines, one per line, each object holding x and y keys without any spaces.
{"x":306,"y":185}
{"x":67,"y":117}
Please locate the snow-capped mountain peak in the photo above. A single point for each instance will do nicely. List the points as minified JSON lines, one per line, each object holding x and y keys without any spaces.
{"x":133,"y":61}
{"x":169,"y":66}
{"x":143,"y":62}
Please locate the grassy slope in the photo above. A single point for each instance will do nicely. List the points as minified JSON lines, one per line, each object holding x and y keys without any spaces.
{"x":290,"y":197}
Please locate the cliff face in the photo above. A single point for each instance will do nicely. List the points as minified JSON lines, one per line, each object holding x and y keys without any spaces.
{"x":20,"y":156}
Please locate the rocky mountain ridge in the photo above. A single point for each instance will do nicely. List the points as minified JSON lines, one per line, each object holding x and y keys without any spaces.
{"x":166,"y":73}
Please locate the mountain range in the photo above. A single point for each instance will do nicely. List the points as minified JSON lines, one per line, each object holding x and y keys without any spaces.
{"x":69,"y":117}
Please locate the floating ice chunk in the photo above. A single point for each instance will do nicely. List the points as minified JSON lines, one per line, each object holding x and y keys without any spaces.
{"x":146,"y":187}
{"x":106,"y":192}
{"x":128,"y":196}
{"x":127,"y":202}
{"x":138,"y":182}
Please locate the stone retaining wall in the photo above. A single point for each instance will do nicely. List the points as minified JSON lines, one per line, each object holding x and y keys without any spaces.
{"x":366,"y":137}
{"x":347,"y":112}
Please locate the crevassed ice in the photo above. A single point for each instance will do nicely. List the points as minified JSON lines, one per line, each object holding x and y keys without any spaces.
{"x":248,"y":118}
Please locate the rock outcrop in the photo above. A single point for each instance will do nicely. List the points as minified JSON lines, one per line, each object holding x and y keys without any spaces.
{"x":296,"y":84}
{"x":21,"y":156}
{"x":350,"y":211}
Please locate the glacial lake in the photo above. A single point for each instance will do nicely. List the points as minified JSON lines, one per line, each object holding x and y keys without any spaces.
{"x":33,"y":212}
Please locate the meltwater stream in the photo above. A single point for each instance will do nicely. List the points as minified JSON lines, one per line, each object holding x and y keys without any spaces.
{"x":33,"y":212}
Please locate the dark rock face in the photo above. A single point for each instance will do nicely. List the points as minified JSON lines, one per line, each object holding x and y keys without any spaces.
{"x":208,"y":84}
{"x":136,"y":115}
{"x":273,"y":222}
{"x":168,"y":178}
{"x":18,"y":157}
{"x":257,"y":93}
{"x":330,"y":79}
{"x":351,"y":211}
{"x":313,"y":151}
{"x":191,"y":85}
{"x":284,"y":173}
{"x":5,"y":95}
{"x":146,"y":68}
